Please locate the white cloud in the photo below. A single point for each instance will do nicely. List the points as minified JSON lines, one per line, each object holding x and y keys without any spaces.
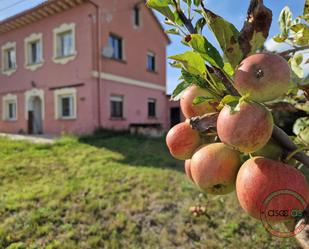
{"x":273,"y":46}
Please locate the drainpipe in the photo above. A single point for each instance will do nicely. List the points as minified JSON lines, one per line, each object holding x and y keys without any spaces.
{"x":99,"y":62}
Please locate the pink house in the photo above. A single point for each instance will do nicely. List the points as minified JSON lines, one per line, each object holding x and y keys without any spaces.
{"x":76,"y":65}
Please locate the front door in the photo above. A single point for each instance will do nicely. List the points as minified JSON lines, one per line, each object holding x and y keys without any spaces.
{"x":35,"y":116}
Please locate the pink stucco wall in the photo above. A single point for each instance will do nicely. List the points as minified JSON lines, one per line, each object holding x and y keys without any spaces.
{"x":148,"y":37}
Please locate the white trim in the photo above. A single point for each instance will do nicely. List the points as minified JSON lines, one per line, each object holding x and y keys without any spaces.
{"x":34,"y":93}
{"x":7,"y":99}
{"x":4,"y":48}
{"x":128,"y":81}
{"x":27,"y":41}
{"x":65,"y":92}
{"x":65,"y":27}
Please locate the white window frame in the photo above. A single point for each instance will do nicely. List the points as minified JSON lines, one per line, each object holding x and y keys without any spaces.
{"x":58,"y":95}
{"x":117,"y":98}
{"x":63,"y":28}
{"x":133,"y":17}
{"x":152,"y":100}
{"x":35,"y":37}
{"x":6,"y":101}
{"x":6,"y":47}
{"x":149,"y":53}
{"x":123,"y":56}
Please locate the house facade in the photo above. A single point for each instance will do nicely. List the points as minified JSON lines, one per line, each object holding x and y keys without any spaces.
{"x":76,"y":65}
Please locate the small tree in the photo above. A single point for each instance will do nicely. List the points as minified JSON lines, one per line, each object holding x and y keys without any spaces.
{"x":205,"y":66}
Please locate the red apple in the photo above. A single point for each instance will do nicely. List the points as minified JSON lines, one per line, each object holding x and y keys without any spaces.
{"x":182,"y":140}
{"x":188,"y":169}
{"x":264,"y":76}
{"x":248,"y":129}
{"x":260,"y":178}
{"x":186,"y":102}
{"x":214,"y":168}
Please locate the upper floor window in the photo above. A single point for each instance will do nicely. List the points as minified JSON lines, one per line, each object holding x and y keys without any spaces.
{"x":65,"y":103}
{"x":64,"y":43}
{"x":151,"y":108}
{"x":136,"y":16}
{"x":116,"y":103}
{"x":151,"y":62}
{"x":117,"y":44}
{"x":34,"y":51}
{"x":9,"y":64}
{"x":9,"y":107}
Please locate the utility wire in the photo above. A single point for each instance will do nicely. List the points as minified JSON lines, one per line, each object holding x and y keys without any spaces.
{"x":12,"y":5}
{"x":16,"y":3}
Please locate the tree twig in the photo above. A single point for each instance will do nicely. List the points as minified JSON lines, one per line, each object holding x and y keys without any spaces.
{"x":187,"y":22}
{"x":293,"y":50}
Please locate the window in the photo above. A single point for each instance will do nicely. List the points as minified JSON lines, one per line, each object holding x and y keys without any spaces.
{"x":116,"y":106}
{"x":10,"y":58}
{"x":10,"y":107}
{"x":65,"y":100}
{"x":116,"y":43}
{"x":34,"y":51}
{"x":136,"y":16}
{"x":66,"y":106}
{"x":151,"y":62}
{"x":9,"y":65}
{"x":151,"y":108}
{"x":64,"y":43}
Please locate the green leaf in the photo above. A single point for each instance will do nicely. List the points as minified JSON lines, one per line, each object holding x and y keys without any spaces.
{"x":303,"y":107}
{"x":200,"y":25}
{"x":301,"y":38}
{"x":300,"y":125}
{"x":172,"y":31}
{"x":162,"y":6}
{"x":227,"y":36}
{"x":280,"y":38}
{"x":306,"y":8}
{"x":202,"y":46}
{"x":285,"y":20}
{"x":201,"y":99}
{"x":192,"y":62}
{"x":298,"y":27}
{"x":257,"y":41}
{"x":295,"y":66}
{"x":298,"y":58}
{"x":304,"y":135}
{"x":179,"y":90}
{"x":228,"y":69}
{"x":197,"y":2}
{"x":228,"y":99}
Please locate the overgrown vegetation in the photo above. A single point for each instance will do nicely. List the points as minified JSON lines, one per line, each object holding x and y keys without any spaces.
{"x":116,"y":192}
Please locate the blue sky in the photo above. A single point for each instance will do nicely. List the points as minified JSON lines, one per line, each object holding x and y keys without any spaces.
{"x":232,"y":10}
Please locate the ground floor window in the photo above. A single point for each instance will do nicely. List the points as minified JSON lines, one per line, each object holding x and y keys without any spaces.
{"x":65,"y":100}
{"x":116,"y":103}
{"x":151,"y":108}
{"x":9,"y":107}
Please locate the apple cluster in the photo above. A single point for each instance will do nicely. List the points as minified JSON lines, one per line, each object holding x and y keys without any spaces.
{"x":241,"y":155}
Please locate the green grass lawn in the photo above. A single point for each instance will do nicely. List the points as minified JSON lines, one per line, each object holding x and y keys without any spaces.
{"x":113,"y":191}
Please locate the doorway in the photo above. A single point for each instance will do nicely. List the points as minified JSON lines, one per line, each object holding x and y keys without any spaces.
{"x":175,"y":116}
{"x":35,"y":122}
